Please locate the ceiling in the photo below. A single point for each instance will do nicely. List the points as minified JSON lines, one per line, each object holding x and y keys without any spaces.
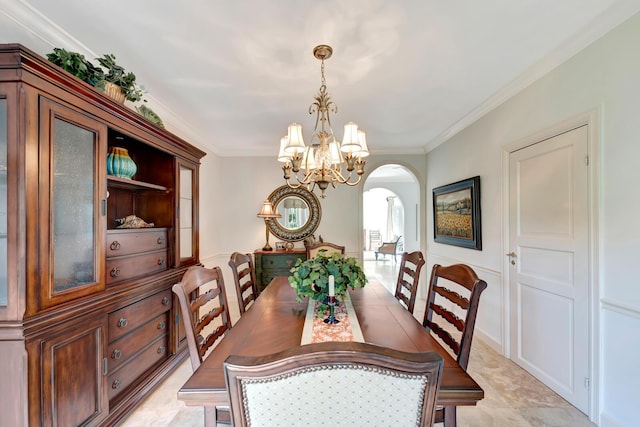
{"x":229,"y":76}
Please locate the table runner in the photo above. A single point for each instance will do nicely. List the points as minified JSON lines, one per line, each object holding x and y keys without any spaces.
{"x":315,"y":330}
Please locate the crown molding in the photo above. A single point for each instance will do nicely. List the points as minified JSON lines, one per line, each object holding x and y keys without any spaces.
{"x":591,"y":32}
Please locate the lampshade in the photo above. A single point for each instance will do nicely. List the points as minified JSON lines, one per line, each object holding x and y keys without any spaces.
{"x":282,"y":156}
{"x":295,"y":144}
{"x":308,"y":155}
{"x":364,"y":152}
{"x":268,"y":211}
{"x":351,"y":141}
{"x":334,"y":149}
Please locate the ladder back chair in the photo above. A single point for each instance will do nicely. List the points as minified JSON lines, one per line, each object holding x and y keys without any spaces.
{"x":202,"y":290}
{"x":244,"y":276}
{"x":334,"y":383}
{"x":460,"y":319}
{"x":312,"y":250}
{"x":408,"y":278}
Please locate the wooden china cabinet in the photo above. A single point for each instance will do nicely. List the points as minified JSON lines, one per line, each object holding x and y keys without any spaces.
{"x":88,"y":322}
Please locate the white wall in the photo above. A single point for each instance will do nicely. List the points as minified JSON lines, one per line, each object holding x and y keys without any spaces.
{"x":605,"y":76}
{"x":229,"y":202}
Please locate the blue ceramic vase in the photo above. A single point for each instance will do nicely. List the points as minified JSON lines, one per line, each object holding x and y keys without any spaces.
{"x":120,"y":164}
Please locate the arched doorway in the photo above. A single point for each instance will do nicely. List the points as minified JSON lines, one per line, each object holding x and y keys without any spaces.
{"x":390,"y":201}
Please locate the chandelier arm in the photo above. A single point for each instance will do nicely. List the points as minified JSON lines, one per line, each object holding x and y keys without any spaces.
{"x":291,"y":185}
{"x":338,"y":177}
{"x":304,"y":181}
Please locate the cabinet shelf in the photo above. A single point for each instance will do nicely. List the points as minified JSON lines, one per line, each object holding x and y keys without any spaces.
{"x":132,"y":184}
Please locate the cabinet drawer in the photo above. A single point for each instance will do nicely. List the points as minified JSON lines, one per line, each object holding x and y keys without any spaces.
{"x":281,"y":262}
{"x":126,"y":242}
{"x":121,"y":350}
{"x":138,"y":365}
{"x":127,"y":267}
{"x":135,"y":315}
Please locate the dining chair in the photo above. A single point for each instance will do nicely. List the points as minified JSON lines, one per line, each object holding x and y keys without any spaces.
{"x":334,"y":383}
{"x":455,"y":307}
{"x":312,"y":250}
{"x":205,"y":315}
{"x":408,"y":278}
{"x":244,"y":276}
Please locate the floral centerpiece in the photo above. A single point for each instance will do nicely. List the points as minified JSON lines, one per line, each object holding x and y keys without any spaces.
{"x":311,"y":277}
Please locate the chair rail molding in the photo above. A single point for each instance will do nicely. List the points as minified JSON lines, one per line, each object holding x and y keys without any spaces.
{"x":620,"y":307}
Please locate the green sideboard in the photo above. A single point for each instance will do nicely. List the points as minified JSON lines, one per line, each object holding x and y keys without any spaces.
{"x":270,"y":264}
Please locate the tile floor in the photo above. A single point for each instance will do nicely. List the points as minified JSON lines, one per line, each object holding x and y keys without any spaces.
{"x":513,"y":398}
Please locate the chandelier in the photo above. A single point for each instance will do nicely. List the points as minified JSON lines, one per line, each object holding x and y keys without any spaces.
{"x":324,"y":161}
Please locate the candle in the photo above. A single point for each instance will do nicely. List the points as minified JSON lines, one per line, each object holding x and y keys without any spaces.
{"x":332,"y":286}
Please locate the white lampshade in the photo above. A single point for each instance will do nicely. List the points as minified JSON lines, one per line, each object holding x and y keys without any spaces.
{"x":282,"y":156}
{"x":364,"y":152}
{"x":334,"y":149}
{"x":295,"y":143}
{"x":310,"y":156}
{"x":350,"y":141}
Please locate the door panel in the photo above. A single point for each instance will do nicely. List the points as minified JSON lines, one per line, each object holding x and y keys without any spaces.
{"x":73,"y":386}
{"x":549,"y":282}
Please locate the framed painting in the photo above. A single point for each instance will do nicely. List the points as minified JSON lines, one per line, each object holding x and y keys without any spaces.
{"x":456,"y":214}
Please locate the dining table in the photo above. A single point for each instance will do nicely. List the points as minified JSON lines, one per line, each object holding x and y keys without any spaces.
{"x":276,"y":321}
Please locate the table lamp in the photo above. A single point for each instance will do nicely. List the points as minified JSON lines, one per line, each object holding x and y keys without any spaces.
{"x":268,"y":212}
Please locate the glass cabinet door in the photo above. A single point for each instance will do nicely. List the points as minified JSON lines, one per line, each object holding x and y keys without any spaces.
{"x":75,"y":167}
{"x":187,"y":237}
{"x":3,"y":203}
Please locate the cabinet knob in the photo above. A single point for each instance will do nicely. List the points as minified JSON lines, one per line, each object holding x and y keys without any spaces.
{"x":115,"y":245}
{"x":161,"y":349}
{"x":115,"y":272}
{"x":160,"y":261}
{"x":122,"y":323}
{"x":117,"y":354}
{"x":165,"y":300}
{"x":161,"y":325}
{"x":116,"y":384}
{"x":160,"y":240}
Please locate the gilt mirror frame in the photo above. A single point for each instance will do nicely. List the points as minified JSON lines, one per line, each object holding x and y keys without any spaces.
{"x":315,"y":213}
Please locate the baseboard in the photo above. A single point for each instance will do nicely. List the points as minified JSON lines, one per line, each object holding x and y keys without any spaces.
{"x":608,"y":421}
{"x":495,"y":345}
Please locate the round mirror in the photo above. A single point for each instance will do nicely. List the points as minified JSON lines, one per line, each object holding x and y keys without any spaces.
{"x":300,"y":212}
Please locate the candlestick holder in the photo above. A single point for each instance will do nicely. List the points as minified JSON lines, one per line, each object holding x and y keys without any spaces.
{"x":331,"y":320}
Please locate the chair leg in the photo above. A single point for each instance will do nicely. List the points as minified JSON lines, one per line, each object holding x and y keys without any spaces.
{"x":210,"y":416}
{"x":450,"y":416}
{"x":214,"y":416}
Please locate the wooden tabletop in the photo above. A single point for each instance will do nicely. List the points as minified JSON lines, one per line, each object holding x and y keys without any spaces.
{"x":275,"y":323}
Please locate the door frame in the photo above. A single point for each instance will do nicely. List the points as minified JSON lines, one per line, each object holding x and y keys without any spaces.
{"x":592,"y":120}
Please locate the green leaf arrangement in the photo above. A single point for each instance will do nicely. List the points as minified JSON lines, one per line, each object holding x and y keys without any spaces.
{"x":310,"y":277}
{"x":76,"y":64}
{"x":108,"y":71}
{"x":150,"y":115}
{"x":116,"y":74}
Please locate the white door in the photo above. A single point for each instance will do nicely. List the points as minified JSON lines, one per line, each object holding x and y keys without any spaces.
{"x":549,"y":268}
